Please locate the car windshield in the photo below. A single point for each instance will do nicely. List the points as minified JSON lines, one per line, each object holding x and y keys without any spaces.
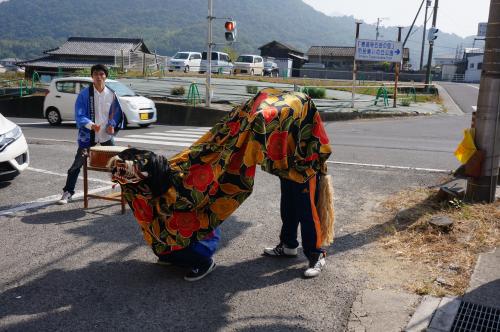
{"x":181,"y":55}
{"x":214,"y":56}
{"x":268,"y":64}
{"x":245,"y":58}
{"x":120,"y":89}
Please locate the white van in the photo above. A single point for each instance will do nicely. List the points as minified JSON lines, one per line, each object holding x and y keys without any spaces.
{"x":185,"y":61}
{"x":249,"y":64}
{"x":59,"y":103}
{"x":220,"y":63}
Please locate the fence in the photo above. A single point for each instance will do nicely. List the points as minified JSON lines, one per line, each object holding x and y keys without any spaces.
{"x":139,"y":62}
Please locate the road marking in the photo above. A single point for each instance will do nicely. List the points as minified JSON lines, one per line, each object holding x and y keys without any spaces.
{"x":50,"y":139}
{"x":65,"y":175}
{"x":174,"y":135}
{"x":408,"y":168}
{"x":134,"y":140}
{"x":188,"y":132}
{"x":31,"y":123}
{"x":473,"y":86}
{"x":41,"y":202}
{"x":474,"y":108}
{"x":166,"y":138}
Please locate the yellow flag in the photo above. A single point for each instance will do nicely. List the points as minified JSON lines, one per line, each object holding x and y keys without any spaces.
{"x":466,"y":148}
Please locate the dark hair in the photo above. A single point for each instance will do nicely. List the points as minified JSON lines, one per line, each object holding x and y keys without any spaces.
{"x":98,"y":67}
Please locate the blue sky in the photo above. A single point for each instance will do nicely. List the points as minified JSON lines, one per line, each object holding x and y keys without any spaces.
{"x":454,"y":16}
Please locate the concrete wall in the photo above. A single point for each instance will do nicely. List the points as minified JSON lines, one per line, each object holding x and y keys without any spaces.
{"x":472,"y":73}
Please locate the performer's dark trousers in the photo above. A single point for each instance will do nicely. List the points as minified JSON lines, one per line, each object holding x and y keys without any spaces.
{"x":298,"y":206}
{"x":74,"y":170}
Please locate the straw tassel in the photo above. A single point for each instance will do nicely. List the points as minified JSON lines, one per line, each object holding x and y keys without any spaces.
{"x":325,"y":209}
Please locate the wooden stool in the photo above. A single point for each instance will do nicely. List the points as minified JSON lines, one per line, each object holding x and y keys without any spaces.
{"x":117,"y":197}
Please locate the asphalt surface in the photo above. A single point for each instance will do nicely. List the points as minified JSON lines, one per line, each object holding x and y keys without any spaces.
{"x":66,"y":268}
{"x":464,"y":94}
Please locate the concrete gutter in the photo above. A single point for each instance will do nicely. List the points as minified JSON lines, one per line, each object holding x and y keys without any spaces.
{"x":448,"y":103}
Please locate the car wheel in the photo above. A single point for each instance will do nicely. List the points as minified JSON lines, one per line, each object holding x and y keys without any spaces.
{"x":53,"y":116}
{"x":186,"y":69}
{"x":144,"y":125}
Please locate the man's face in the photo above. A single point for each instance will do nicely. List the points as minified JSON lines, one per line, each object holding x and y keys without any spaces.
{"x":98,"y":77}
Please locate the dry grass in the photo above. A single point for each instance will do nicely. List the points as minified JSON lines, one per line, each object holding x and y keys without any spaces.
{"x":448,"y":256}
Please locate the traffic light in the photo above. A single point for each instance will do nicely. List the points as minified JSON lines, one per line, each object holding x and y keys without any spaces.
{"x":230,"y":31}
{"x":432,"y":34}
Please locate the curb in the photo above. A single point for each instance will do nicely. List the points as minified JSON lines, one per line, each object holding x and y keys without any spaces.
{"x":448,"y":102}
{"x":434,"y":314}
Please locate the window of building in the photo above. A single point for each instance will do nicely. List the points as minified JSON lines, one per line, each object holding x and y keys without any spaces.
{"x":471,"y":66}
{"x":480,"y":65}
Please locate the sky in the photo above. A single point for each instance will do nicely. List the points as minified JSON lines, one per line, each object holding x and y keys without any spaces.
{"x":454,"y":16}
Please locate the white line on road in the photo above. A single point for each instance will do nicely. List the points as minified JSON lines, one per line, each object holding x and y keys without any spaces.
{"x":50,"y":139}
{"x":41,"y":202}
{"x":64,"y":175}
{"x":31,"y":123}
{"x":432,"y":170}
{"x":174,"y":135}
{"x":157,"y":137}
{"x":134,"y":140}
{"x":192,"y":132}
{"x":473,"y":86}
{"x":474,"y":108}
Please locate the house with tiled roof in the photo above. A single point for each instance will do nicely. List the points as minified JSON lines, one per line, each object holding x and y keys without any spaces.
{"x":288,"y":58}
{"x":83,"y":52}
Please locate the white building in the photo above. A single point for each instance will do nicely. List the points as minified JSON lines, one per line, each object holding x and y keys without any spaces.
{"x":474,"y":68}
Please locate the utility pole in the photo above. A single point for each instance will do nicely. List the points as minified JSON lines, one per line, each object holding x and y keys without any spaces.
{"x":208,"y":88}
{"x":396,"y":76}
{"x":482,"y":189}
{"x":379,"y":20}
{"x":431,"y":46}
{"x":354,"y":69}
{"x":429,"y":2}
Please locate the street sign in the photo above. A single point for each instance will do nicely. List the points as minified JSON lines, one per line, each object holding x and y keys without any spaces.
{"x":481,"y":29}
{"x":378,"y":50}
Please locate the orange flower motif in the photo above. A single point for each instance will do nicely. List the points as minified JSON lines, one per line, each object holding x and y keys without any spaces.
{"x":186,"y":223}
{"x":319,"y":130}
{"x":199,"y":177}
{"x":276,"y":146}
{"x":234,"y":127}
{"x":223,"y":207}
{"x":142,"y":211}
{"x":269,"y":113}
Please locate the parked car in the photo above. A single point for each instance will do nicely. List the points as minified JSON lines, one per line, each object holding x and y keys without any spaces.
{"x":185,"y":61}
{"x":14,"y":154}
{"x":271,"y":69}
{"x":249,"y":64}
{"x":59,"y":103}
{"x":220,"y":63}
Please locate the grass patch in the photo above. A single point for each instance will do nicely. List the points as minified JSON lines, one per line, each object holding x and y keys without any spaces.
{"x":449,"y":255}
{"x":317,"y":93}
{"x":252,"y":89}
{"x":178,"y":91}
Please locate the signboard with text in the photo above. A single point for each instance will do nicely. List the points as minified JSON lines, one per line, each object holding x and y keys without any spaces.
{"x":378,"y":50}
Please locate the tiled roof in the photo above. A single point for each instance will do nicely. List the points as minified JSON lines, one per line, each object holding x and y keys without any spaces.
{"x":97,"y":46}
{"x":331,"y":51}
{"x":51,"y":62}
{"x":291,"y":48}
{"x":342,"y":51}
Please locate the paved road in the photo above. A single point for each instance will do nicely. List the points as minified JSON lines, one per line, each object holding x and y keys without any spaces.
{"x":65,"y":268}
{"x":464,"y":94}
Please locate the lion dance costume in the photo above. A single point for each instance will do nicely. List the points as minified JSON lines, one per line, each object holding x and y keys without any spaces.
{"x":183,"y":200}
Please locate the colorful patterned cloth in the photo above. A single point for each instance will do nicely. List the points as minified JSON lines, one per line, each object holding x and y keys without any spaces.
{"x":281,"y":131}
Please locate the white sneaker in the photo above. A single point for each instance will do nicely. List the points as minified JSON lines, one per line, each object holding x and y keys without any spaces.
{"x":65,"y":198}
{"x":315,"y":267}
{"x":280,"y":250}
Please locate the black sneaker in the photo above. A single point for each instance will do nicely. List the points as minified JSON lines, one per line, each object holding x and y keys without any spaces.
{"x":280,"y":250}
{"x":198,"y":273}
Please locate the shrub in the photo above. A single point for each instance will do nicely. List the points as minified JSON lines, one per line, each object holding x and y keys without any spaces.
{"x":319,"y":93}
{"x":253,"y":89}
{"x":178,"y":91}
{"x":406,"y":102}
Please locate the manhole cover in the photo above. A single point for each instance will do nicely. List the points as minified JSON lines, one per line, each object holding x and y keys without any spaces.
{"x":474,"y":317}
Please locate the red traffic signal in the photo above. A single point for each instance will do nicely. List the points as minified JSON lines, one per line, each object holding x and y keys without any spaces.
{"x":230,"y":26}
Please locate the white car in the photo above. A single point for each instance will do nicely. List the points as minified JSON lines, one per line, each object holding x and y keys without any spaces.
{"x":220,"y":63}
{"x":14,"y":155}
{"x":59,"y":103}
{"x":185,"y":61}
{"x":249,"y":64}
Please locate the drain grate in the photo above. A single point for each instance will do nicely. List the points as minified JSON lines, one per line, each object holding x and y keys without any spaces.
{"x":477,"y":318}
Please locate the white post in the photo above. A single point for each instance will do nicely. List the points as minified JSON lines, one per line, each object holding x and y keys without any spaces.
{"x":208,"y":97}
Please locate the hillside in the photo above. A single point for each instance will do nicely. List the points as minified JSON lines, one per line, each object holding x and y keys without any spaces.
{"x":30,"y":26}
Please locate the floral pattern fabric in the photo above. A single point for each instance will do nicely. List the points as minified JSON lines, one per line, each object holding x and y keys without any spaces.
{"x":281,"y":131}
